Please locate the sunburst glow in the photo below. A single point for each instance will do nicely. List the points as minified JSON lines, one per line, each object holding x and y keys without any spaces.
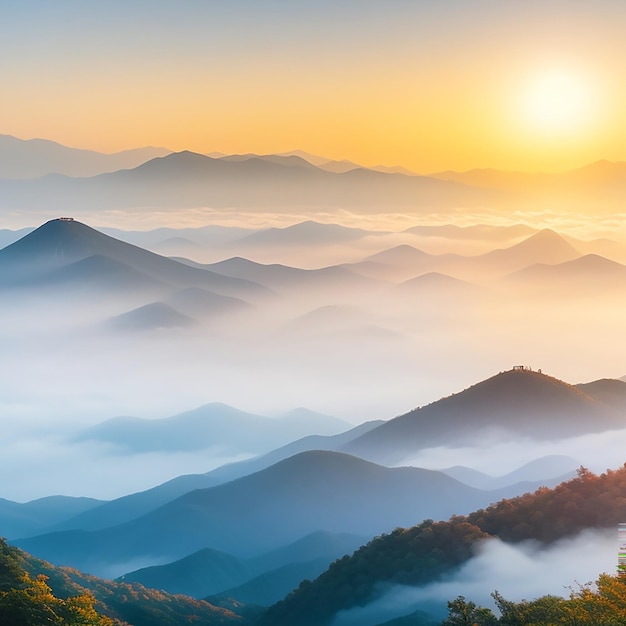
{"x":558,"y":102}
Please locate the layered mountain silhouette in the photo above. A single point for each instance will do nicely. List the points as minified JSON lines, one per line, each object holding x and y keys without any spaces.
{"x":608,"y":390}
{"x":308,"y":492}
{"x":308,"y":233}
{"x":190,"y":179}
{"x":516,"y":403}
{"x":588,"y":275}
{"x":62,"y":178}
{"x":150,"y":316}
{"x":214,"y":425}
{"x":65,"y":250}
{"x":545,"y":246}
{"x":403,"y":262}
{"x":436,"y":286}
{"x":18,"y":519}
{"x":550,"y":470}
{"x":602,"y":182}
{"x":200,"y":574}
{"x":134,"y":505}
{"x":261,"y":580}
{"x":32,"y":158}
{"x":283,"y":278}
{"x":481,"y":232}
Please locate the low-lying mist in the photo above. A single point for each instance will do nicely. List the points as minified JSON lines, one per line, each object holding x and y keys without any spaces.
{"x":517,"y":572}
{"x":348,"y":346}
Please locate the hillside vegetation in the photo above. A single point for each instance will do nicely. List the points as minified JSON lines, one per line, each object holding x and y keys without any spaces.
{"x":35,"y":593}
{"x":601,"y":604}
{"x":425,"y":553}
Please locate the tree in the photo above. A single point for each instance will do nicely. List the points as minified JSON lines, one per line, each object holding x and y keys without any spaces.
{"x":463,"y":613}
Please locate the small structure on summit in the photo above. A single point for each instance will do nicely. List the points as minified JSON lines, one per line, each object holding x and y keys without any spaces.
{"x":65,"y":219}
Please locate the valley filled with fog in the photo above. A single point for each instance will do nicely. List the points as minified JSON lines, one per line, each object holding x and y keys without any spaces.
{"x":222,"y":402}
{"x":368,"y":325}
{"x":405,"y":318}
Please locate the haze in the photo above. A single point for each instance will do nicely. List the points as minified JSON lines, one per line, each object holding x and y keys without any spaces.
{"x":346,"y":81}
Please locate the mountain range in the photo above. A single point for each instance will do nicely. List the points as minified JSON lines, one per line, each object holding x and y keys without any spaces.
{"x":64,"y":251}
{"x":191,"y":179}
{"x":215,"y":426}
{"x":515,"y":403}
{"x":38,"y":174}
{"x":308,"y":492}
{"x":33,"y":158}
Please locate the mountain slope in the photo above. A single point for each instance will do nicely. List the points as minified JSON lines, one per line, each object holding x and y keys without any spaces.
{"x":588,"y":275}
{"x":151,"y":316}
{"x":33,"y":592}
{"x":32,"y":158}
{"x":545,"y":246}
{"x":549,"y":470}
{"x":517,"y":403}
{"x":135,"y":505}
{"x":203,"y":573}
{"x":29,"y":518}
{"x":61,"y":242}
{"x":305,"y":493}
{"x":186,"y":179}
{"x":610,"y":391}
{"x":272,"y":575}
{"x":434,"y":550}
{"x":213,"y":425}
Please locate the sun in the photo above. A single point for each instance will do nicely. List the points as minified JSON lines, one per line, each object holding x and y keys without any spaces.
{"x":558,"y":102}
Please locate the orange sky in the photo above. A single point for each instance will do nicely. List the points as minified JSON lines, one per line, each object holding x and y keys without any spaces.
{"x":426,"y":85}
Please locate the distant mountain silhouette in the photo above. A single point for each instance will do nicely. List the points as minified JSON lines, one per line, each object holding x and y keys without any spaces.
{"x":601,"y":183}
{"x":283,"y":278}
{"x":589,"y":274}
{"x":197,"y":302}
{"x":305,"y":493}
{"x":434,"y":285}
{"x":99,"y":272}
{"x":32,"y":158}
{"x":307,"y":233}
{"x":186,"y":179}
{"x":8,"y":237}
{"x":344,"y":165}
{"x":261,"y":580}
{"x":480,"y":232}
{"x":549,"y":470}
{"x":134,"y":505}
{"x":404,"y":262}
{"x":608,"y":390}
{"x":214,"y":425}
{"x":198,"y":575}
{"x":29,"y":518}
{"x":47,"y":254}
{"x":545,"y":246}
{"x":272,"y":586}
{"x":516,"y":403}
{"x":150,"y":316}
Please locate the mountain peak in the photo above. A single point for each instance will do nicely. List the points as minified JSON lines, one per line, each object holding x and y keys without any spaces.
{"x":62,"y":238}
{"x":520,"y":402}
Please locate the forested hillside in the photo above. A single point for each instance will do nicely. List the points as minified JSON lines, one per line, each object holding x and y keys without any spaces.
{"x":426,"y":552}
{"x":35,"y":593}
{"x":600,"y":604}
{"x":29,"y":601}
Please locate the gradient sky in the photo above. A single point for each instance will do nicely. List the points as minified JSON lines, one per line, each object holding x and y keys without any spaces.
{"x":430,"y":85}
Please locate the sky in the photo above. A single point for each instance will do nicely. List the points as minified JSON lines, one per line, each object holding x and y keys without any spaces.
{"x":460,"y":84}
